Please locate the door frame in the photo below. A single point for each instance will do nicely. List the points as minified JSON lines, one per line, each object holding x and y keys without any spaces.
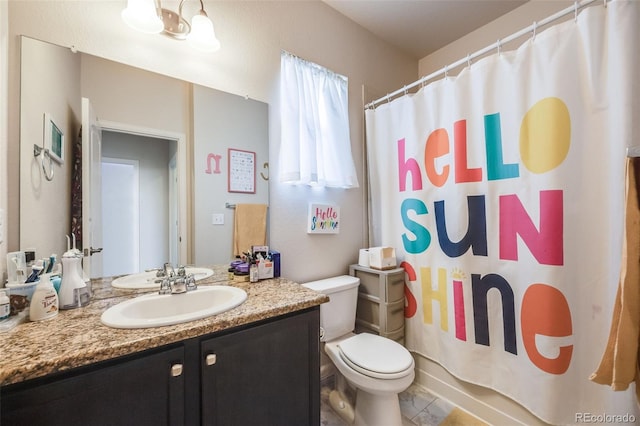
{"x":181,"y":165}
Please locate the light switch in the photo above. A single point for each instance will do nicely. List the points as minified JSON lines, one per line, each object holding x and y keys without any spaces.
{"x":217,"y":219}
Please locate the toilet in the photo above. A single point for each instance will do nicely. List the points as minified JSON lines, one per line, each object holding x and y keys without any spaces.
{"x":378,"y":368}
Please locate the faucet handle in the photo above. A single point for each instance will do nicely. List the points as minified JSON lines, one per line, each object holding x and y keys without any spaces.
{"x":165,"y":286}
{"x":168,"y":270}
{"x":181,"y":271}
{"x":191,"y":283}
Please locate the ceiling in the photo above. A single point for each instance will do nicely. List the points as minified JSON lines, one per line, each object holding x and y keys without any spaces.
{"x":420,"y":27}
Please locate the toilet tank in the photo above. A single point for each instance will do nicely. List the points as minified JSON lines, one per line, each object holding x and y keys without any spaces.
{"x":338,"y":315}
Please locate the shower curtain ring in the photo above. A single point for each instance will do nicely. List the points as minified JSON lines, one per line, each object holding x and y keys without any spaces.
{"x":499,"y":45}
{"x":446,"y":71}
{"x":535,"y":28}
{"x":469,"y":60}
{"x":406,"y":92}
{"x":575,"y":11}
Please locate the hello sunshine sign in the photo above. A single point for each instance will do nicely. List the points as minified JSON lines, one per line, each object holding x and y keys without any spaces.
{"x":502,"y":191}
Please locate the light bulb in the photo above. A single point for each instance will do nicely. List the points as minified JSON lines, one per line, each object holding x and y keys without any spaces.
{"x":142,"y":15}
{"x":202,"y":35}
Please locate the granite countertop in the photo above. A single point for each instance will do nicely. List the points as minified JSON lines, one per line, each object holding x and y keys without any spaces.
{"x":76,"y":337}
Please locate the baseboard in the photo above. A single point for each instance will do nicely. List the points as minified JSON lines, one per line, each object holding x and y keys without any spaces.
{"x":485,"y":404}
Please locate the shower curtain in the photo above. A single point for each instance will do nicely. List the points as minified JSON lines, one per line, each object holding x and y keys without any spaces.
{"x":502,"y":190}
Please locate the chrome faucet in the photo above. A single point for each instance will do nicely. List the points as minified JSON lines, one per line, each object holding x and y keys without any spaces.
{"x":173,"y":283}
{"x":168,"y":270}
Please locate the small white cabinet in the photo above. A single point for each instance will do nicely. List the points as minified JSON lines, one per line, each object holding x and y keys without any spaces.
{"x":380,"y":307}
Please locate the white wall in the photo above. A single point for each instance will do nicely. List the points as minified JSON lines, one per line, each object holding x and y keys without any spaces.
{"x":252,"y":34}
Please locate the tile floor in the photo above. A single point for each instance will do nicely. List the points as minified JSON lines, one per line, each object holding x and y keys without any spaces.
{"x":417,"y":405}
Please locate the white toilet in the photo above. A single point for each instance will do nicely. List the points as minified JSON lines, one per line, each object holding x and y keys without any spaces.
{"x":377,"y":367}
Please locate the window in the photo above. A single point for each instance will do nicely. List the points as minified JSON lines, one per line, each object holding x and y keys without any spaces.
{"x":316,"y":146}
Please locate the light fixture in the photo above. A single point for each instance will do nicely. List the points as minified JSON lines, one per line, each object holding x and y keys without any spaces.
{"x":202,"y":35}
{"x":142,"y":15}
{"x":149,"y":16}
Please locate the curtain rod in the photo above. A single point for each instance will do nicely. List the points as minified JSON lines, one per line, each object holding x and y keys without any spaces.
{"x":497,"y":45}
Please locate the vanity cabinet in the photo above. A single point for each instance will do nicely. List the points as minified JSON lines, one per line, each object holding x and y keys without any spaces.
{"x":264,"y":373}
{"x":380,"y":308}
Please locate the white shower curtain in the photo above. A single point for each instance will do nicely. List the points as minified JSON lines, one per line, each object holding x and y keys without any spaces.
{"x":502,"y":191}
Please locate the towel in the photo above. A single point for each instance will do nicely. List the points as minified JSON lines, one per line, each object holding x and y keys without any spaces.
{"x":619,"y":365}
{"x":249,"y":227}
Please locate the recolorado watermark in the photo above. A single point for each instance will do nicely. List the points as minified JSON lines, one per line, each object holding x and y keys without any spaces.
{"x":605,"y":418}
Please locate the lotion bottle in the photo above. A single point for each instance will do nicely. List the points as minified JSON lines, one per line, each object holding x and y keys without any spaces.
{"x":73,"y":290}
{"x":44,"y":302}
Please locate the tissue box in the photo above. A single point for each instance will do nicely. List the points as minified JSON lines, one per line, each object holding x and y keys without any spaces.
{"x":265,"y":269}
{"x":382,"y":258}
{"x":363,"y":258}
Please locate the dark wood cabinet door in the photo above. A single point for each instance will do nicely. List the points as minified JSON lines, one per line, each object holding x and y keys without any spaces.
{"x":147,"y":389}
{"x":263,"y":375}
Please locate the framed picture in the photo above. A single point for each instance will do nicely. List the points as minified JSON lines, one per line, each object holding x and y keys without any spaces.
{"x":242,"y":171}
{"x":323,"y":219}
{"x":53,"y":139}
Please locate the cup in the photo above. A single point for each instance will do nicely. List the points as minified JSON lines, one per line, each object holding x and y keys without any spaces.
{"x":20,"y":295}
{"x":363,"y":258}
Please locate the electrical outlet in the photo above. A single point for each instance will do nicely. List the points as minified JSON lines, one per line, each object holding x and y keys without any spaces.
{"x":217,"y":219}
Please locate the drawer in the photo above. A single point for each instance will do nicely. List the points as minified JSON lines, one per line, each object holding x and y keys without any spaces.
{"x":386,"y":286}
{"x":395,"y":316}
{"x":368,"y":310}
{"x":395,"y":288}
{"x":369,"y":283}
{"x":389,"y":317}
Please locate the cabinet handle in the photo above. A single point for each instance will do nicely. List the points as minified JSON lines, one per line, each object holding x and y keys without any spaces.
{"x":176,"y":370}
{"x":211,"y":359}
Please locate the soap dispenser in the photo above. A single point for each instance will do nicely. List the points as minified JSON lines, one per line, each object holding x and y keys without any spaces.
{"x":44,"y":302}
{"x":73,"y":290}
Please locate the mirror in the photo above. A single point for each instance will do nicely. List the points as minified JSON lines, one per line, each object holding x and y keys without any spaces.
{"x":167,"y":141}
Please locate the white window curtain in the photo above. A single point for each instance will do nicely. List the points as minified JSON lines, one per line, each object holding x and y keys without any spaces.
{"x":316,"y":147}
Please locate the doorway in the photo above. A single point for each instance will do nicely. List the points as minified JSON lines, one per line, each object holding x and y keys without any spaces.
{"x":120,"y":225}
{"x":140,"y":202}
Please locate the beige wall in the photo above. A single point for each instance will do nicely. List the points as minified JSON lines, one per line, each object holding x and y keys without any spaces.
{"x":510,"y":23}
{"x":50,"y":84}
{"x":4,"y":132}
{"x":252,"y":35}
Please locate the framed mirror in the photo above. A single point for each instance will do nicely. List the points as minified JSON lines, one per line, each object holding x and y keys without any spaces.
{"x":143,"y":115}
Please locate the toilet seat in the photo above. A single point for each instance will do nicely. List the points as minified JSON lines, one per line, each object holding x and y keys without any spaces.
{"x":376,"y":356}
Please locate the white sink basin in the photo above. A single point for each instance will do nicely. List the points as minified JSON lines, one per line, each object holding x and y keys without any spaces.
{"x":148,"y":279}
{"x":156,"y":310}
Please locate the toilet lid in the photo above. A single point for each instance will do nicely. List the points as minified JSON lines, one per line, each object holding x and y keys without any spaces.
{"x":375,"y":356}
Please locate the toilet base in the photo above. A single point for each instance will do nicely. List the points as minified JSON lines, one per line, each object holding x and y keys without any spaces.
{"x":377,"y":410}
{"x":341,"y":406}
